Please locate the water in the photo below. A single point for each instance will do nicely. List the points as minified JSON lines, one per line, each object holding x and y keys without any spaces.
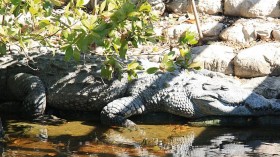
{"x":81,"y":138}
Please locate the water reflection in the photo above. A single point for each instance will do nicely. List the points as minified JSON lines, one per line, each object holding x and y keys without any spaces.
{"x":230,"y":142}
{"x":80,"y":138}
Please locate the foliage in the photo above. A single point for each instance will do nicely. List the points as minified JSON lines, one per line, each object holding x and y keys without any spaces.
{"x":170,"y":61}
{"x":115,"y":25}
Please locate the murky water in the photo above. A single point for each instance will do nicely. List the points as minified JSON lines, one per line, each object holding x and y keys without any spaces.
{"x":79,"y":138}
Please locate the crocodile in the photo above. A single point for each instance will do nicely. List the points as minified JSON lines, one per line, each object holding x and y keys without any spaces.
{"x":193,"y":94}
{"x":29,"y":84}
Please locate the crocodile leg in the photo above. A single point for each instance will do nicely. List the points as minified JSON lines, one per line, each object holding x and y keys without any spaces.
{"x":117,"y":112}
{"x":29,"y":90}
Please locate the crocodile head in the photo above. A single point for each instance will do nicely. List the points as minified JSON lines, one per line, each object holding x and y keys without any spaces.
{"x":215,"y":99}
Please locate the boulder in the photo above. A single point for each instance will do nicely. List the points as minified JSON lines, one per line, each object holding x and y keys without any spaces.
{"x":214,"y":57}
{"x":212,"y":29}
{"x":252,"y":8}
{"x":276,"y":34}
{"x":260,"y":60}
{"x":247,"y":30}
{"x":233,"y":33}
{"x":210,"y":7}
{"x":269,"y":87}
{"x":178,"y":6}
{"x":204,"y":6}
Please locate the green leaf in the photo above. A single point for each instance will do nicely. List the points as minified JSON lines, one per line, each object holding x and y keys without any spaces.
{"x":134,"y":43}
{"x":149,"y":31}
{"x":102,"y":6}
{"x":44,"y":23}
{"x":188,"y":38}
{"x":152,"y":70}
{"x":131,"y":75}
{"x":3,"y":49}
{"x":76,"y":55}
{"x":193,"y":41}
{"x":170,"y":66}
{"x":16,"y":10}
{"x":145,"y":7}
{"x":65,"y":34}
{"x":37,"y":1}
{"x":195,"y":65}
{"x":16,"y":2}
{"x":184,"y":52}
{"x":79,"y":3}
{"x":111,"y":6}
{"x":165,"y":58}
{"x":68,"y":53}
{"x":133,"y":65}
{"x":33,"y":10}
{"x":84,"y":43}
{"x":106,"y":72}
{"x":134,"y":14}
{"x":171,"y":55}
{"x":57,"y":3}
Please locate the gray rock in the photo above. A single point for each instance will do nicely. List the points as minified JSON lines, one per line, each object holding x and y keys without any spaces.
{"x":214,"y":57}
{"x":178,"y":6}
{"x":260,"y":60}
{"x":252,"y":8}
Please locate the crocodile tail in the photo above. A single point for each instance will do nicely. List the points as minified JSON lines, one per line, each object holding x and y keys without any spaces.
{"x":29,"y":90}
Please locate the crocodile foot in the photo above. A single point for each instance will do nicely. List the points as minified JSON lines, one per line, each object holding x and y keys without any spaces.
{"x":117,"y":112}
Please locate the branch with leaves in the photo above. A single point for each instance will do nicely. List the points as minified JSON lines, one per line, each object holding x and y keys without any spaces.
{"x":114,"y":25}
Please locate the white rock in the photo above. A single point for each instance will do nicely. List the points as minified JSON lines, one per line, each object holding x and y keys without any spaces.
{"x":246,"y":30}
{"x":210,"y":7}
{"x":263,"y":34}
{"x":158,"y":31}
{"x":157,"y":6}
{"x":182,"y":19}
{"x":252,"y":8}
{"x":214,"y":57}
{"x":205,"y":6}
{"x":260,"y":60}
{"x":212,"y":29}
{"x":14,"y":48}
{"x":233,"y":33}
{"x":276,"y":35}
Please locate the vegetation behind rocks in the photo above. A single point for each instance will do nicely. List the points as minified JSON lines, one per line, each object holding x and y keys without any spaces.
{"x":114,"y":25}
